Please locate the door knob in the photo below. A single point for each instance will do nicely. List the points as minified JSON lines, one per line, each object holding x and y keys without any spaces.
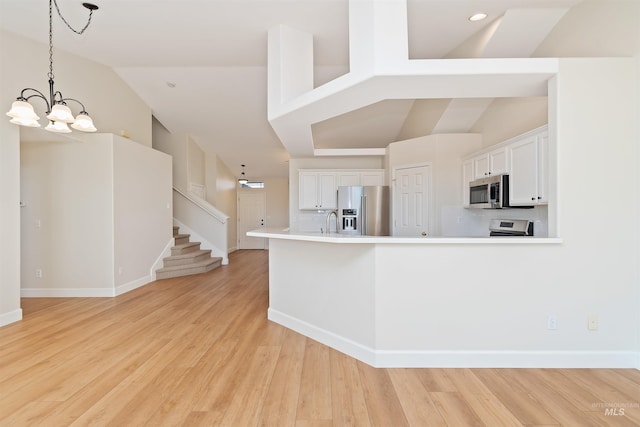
{"x":424,"y":234}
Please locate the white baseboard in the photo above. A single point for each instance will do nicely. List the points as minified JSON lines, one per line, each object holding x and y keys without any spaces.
{"x":67,"y":293}
{"x":159,"y":262}
{"x":459,"y":359}
{"x":85,"y":292}
{"x":347,"y":346}
{"x":134,"y":284}
{"x":10,"y":317}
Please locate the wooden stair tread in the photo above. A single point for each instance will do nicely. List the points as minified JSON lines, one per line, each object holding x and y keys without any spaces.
{"x":193,"y":254}
{"x":206,"y":263}
{"x":186,"y":245}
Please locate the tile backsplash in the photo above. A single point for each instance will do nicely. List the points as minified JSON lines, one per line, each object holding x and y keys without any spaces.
{"x":457,"y":221}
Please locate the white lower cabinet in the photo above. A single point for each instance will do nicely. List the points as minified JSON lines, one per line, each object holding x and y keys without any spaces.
{"x":528,"y":178}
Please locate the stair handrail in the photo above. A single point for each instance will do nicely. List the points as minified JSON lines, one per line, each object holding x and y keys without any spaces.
{"x":204,"y":205}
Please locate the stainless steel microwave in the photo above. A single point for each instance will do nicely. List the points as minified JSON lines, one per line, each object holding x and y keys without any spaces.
{"x":489,"y":193}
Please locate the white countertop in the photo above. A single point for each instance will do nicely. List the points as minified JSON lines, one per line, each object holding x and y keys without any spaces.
{"x":286,"y":234}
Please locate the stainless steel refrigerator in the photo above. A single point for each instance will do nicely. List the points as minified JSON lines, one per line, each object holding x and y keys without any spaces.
{"x":363,"y":210}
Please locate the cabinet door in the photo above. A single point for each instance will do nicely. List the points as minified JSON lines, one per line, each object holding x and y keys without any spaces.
{"x":467,"y":177}
{"x":308,"y":191}
{"x":327,"y":191}
{"x":372,"y":178}
{"x":498,"y":162}
{"x":481,"y":166}
{"x":348,"y":178}
{"x":523,"y":179}
{"x":543,"y":168}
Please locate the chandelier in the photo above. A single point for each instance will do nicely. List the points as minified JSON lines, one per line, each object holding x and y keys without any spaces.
{"x":58,"y":113}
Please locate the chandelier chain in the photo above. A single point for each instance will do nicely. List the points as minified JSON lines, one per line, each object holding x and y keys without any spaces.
{"x":51,"y":42}
{"x":51,"y":76}
{"x":68,"y":25}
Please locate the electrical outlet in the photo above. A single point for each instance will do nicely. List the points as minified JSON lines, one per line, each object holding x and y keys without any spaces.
{"x":552,"y":322}
{"x":38,"y":273}
{"x":592,"y":322}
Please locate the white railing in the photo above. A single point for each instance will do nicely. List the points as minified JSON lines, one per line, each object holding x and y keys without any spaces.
{"x":206,"y":224}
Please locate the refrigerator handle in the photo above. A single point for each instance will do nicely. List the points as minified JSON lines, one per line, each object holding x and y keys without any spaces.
{"x":363,"y":208}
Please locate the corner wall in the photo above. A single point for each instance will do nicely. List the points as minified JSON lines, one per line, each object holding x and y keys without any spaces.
{"x":142,"y":212}
{"x":97,"y":215}
{"x":67,"y":229}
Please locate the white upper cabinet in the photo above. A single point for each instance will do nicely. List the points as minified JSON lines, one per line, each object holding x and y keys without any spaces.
{"x":318,"y":190}
{"x":525,"y":158}
{"x":492,"y":163}
{"x":528,"y":180}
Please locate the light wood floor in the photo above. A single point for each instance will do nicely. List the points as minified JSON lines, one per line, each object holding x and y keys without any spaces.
{"x":198,"y":351}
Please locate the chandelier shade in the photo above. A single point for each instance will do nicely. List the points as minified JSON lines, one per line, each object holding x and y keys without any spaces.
{"x":58,"y":113}
{"x":31,"y":123}
{"x":22,"y":110}
{"x":58,"y":127}
{"x":83,"y":123}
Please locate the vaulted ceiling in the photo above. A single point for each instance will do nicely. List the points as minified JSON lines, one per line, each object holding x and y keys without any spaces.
{"x":201,"y":65}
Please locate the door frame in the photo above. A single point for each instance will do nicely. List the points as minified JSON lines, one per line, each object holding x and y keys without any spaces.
{"x":392,"y":188}
{"x":252,"y":192}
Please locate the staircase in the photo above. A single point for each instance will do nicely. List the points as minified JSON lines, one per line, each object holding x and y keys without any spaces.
{"x":186,"y":258}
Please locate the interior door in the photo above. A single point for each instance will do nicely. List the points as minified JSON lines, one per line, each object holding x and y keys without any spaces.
{"x":251,"y":216}
{"x":411,"y":201}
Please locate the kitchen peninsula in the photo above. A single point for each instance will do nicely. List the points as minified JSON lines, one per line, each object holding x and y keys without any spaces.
{"x":410,"y":302}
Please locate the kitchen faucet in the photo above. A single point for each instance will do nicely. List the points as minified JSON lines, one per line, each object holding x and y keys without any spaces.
{"x":328,"y":222}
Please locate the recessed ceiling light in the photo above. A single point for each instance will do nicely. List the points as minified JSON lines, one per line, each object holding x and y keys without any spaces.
{"x":477,"y":16}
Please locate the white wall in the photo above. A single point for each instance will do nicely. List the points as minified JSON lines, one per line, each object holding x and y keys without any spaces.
{"x":195,"y":163}
{"x":142,"y":210}
{"x":176,"y":147}
{"x":509,"y":117}
{"x":443,"y":153}
{"x":452,"y":315}
{"x":277,"y":191}
{"x":97,"y":215}
{"x":226,"y":200}
{"x":67,"y":186}
{"x":10,"y":310}
{"x":422,"y":118}
{"x":113,"y":106}
{"x":111,"y":103}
